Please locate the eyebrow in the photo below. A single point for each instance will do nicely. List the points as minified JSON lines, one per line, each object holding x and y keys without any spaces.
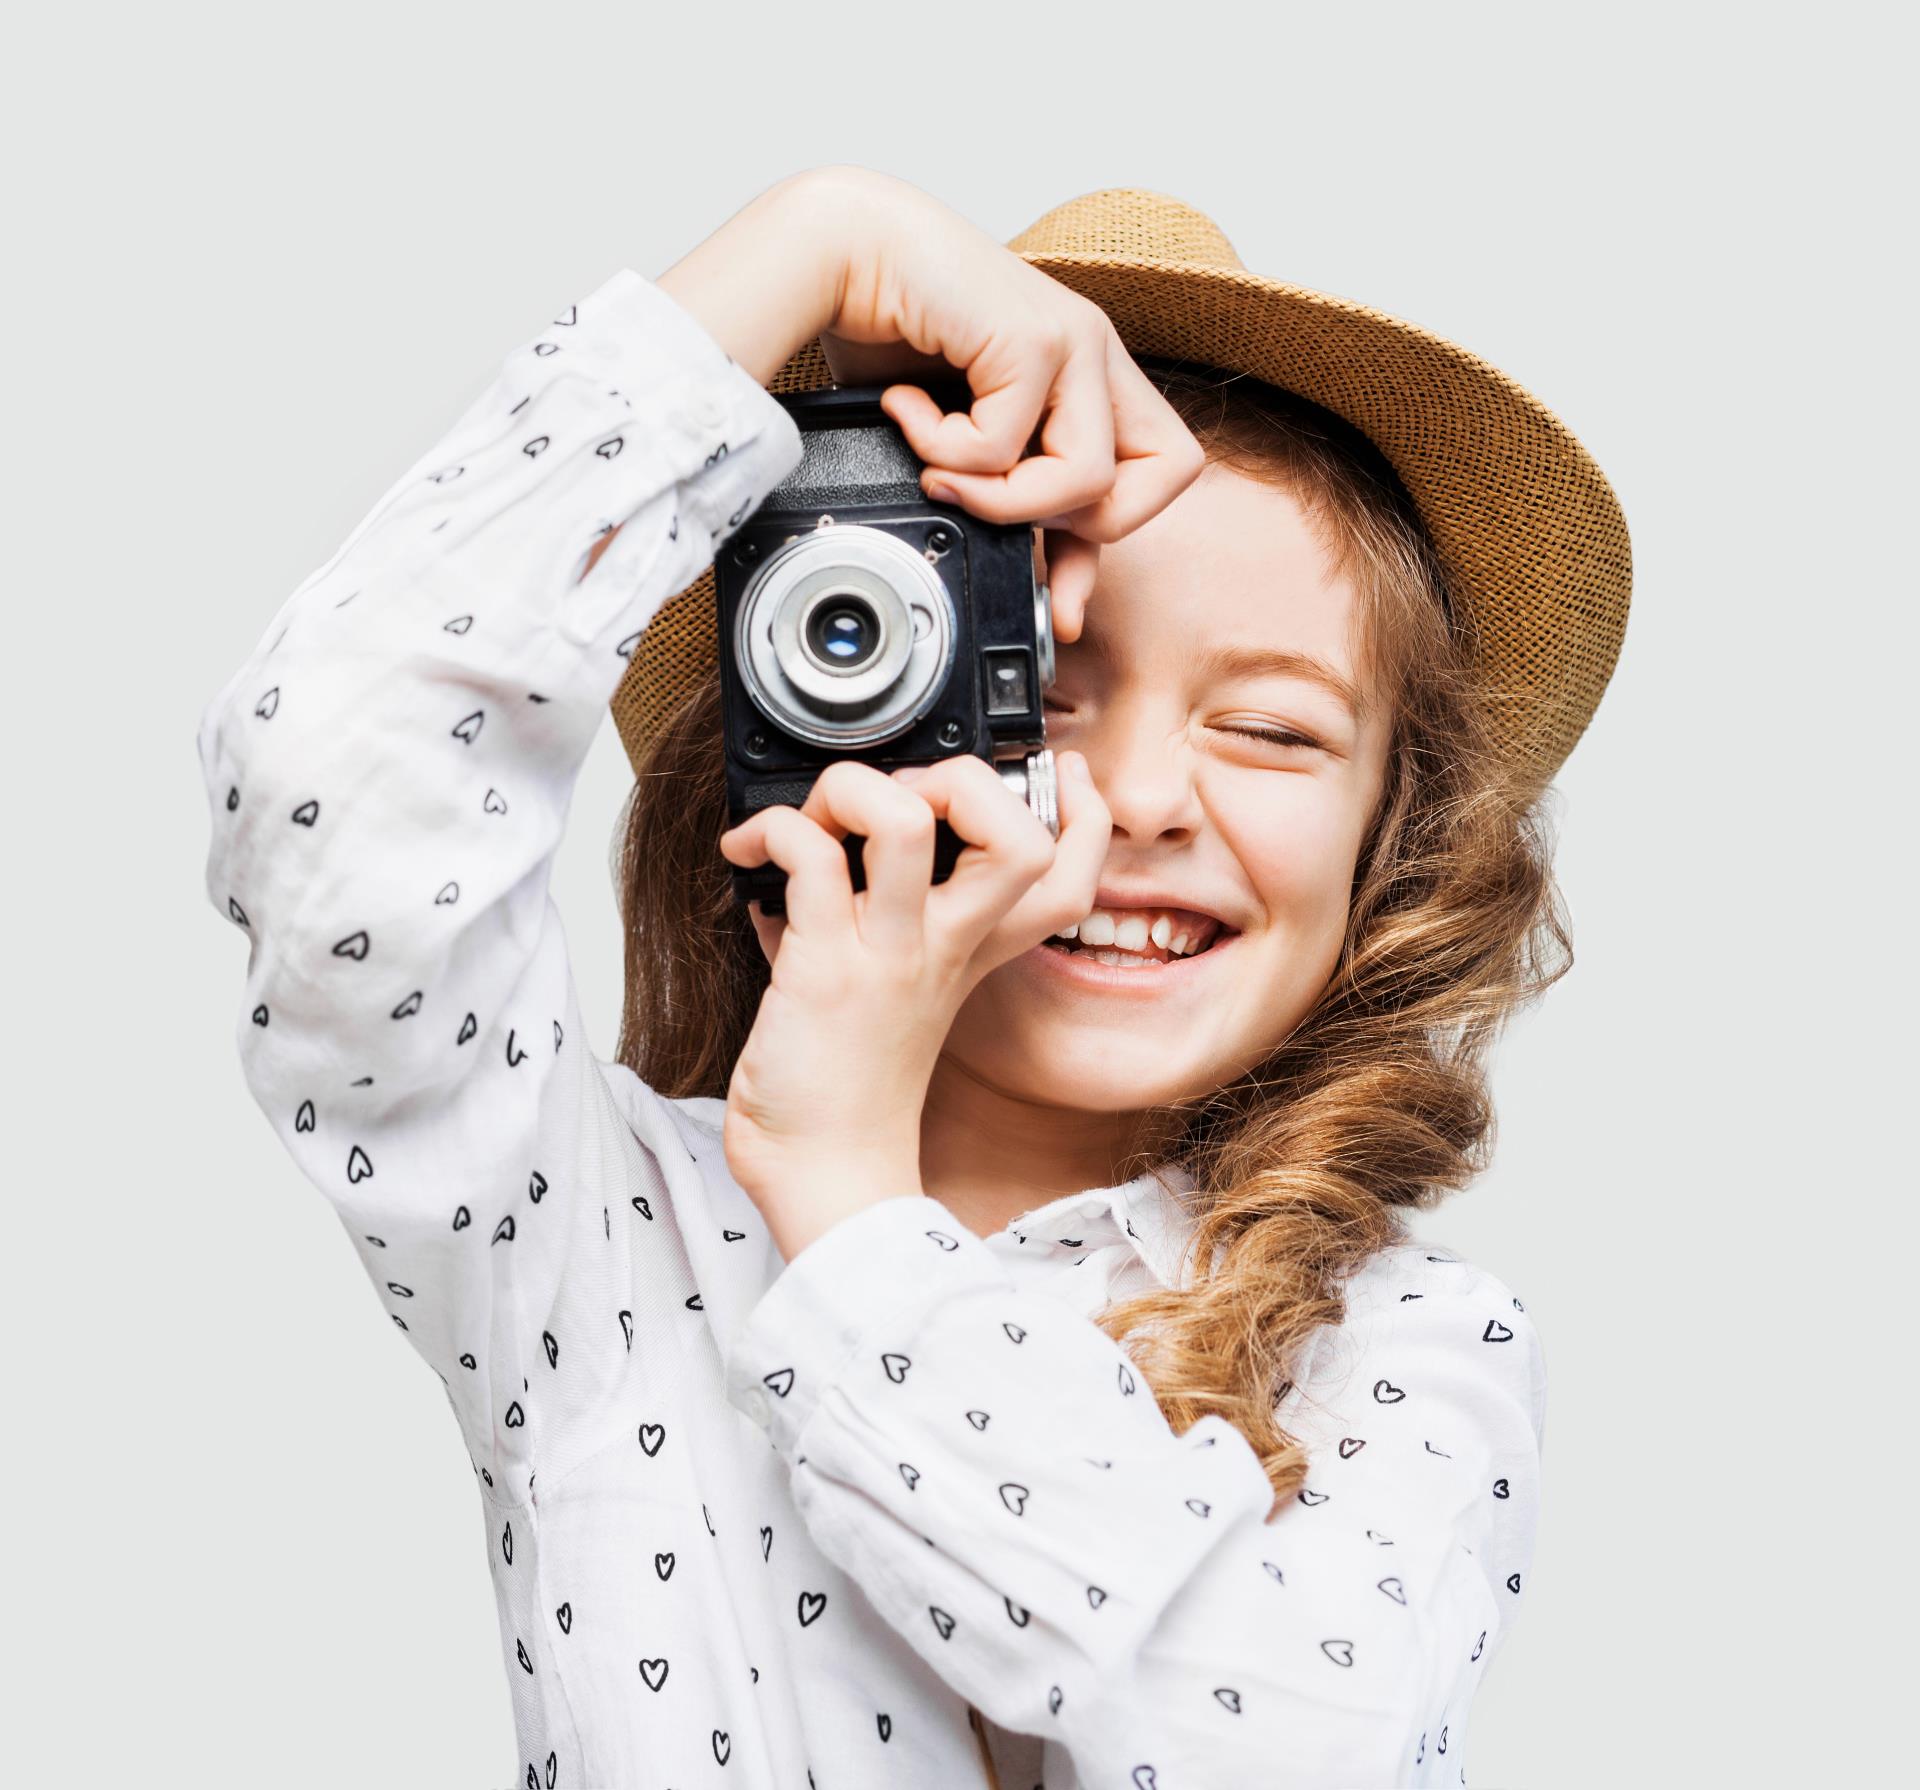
{"x":1260,"y":661}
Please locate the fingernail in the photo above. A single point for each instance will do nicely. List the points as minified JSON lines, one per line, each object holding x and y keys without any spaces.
{"x":940,"y":493}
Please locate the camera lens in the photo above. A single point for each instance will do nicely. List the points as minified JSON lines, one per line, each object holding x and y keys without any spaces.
{"x":843,"y":633}
{"x":845,"y":636}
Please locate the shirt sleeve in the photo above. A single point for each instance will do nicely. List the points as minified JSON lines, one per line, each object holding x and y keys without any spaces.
{"x":993,"y":1472}
{"x":388,"y":776}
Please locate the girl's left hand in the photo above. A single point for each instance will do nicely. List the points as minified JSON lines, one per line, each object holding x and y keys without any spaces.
{"x":824,"y":1106}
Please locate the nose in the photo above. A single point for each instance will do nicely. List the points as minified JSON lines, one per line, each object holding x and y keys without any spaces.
{"x":1145,"y":775}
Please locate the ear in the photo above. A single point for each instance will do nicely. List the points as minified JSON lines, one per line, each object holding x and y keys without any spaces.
{"x":769,"y":932}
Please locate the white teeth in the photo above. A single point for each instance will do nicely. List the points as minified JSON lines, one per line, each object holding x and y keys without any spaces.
{"x":1130,"y":930}
{"x":1124,"y":960}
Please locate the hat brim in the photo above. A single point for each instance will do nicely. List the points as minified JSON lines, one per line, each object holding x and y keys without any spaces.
{"x":1529,"y":532}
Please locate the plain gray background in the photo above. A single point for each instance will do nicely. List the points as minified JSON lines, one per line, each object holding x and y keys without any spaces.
{"x":263,"y":258}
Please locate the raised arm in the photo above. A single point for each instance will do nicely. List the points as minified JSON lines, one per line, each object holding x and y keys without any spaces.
{"x":389,"y":774}
{"x":990,"y":1468}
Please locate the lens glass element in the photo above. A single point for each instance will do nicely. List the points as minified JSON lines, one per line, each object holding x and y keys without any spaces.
{"x":843,"y":633}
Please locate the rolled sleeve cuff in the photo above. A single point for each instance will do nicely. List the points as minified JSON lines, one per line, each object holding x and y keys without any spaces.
{"x":839,"y":1296}
{"x":646,"y":340}
{"x":630,"y":352}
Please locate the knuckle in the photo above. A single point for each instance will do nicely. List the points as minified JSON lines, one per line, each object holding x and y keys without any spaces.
{"x":802,"y":837}
{"x":840,"y":777}
{"x":1038,"y":850}
{"x":913,"y":820}
{"x":1097,"y":522}
{"x":1103,"y":523}
{"x":1080,"y":314}
{"x":977,"y":770}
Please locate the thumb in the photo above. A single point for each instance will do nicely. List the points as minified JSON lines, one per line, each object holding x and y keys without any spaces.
{"x":1072,"y":566}
{"x":768,"y":931}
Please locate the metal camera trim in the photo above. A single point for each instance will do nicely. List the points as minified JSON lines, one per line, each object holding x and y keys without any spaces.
{"x":876,"y":566}
{"x":1043,"y":632}
{"x":1033,"y":778}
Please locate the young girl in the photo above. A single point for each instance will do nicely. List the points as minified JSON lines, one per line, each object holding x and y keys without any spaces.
{"x":788,"y":1348}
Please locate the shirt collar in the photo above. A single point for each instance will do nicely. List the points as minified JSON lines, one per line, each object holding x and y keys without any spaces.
{"x":1145,"y":1213}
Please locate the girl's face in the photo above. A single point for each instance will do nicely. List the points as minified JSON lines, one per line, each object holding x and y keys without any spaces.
{"x":1219,"y":619}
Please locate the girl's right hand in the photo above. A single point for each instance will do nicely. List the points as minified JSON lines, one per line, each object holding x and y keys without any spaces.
{"x":922,"y":291}
{"x":899,"y":287}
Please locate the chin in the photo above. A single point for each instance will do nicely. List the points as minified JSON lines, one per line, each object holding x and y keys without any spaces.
{"x":1054,"y":1059}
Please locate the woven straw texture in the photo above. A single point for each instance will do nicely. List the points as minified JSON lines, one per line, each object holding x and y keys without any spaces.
{"x":1530,"y":533}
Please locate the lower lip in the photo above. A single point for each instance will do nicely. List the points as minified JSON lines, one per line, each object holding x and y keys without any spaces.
{"x":1078,"y":968}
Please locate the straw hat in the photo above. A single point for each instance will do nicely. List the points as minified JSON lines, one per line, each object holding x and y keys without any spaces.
{"x":1529,"y":532}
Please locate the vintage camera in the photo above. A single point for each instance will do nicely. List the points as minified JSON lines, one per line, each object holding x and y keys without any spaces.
{"x":857,"y":619}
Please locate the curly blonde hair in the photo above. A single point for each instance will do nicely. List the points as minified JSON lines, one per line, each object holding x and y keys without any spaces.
{"x":1377,"y":1101}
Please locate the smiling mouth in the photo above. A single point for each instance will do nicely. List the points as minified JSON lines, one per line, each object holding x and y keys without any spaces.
{"x":1147,"y":961}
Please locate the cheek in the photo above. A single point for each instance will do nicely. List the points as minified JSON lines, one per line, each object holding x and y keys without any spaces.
{"x":1297,"y":857}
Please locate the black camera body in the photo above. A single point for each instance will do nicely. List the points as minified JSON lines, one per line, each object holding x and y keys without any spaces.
{"x":858,"y":619}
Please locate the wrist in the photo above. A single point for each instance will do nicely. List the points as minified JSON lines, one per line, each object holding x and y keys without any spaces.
{"x":807,"y":1205}
{"x":768,"y":280}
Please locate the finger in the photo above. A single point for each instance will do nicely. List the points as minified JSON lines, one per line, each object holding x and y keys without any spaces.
{"x":819,"y":884}
{"x":1156,"y":455}
{"x":1010,"y":376}
{"x":1075,"y":467}
{"x":1072,"y":567}
{"x":1006,"y":846}
{"x":897,"y":858}
{"x":766,"y":929}
{"x":1065,"y":891}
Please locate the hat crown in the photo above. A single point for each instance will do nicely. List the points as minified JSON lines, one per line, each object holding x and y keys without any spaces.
{"x":1129,"y":224}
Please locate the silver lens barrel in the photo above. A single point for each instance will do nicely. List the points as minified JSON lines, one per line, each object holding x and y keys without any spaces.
{"x":845,"y":636}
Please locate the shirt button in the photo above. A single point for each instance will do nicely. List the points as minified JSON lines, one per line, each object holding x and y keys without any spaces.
{"x":709,"y":410}
{"x":755,"y":1404}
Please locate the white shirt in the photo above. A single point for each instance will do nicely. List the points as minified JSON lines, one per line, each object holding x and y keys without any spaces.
{"x":751,"y":1523}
